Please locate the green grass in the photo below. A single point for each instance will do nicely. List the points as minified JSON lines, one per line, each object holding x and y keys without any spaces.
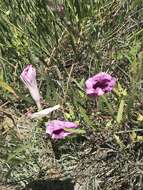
{"x":67,"y":47}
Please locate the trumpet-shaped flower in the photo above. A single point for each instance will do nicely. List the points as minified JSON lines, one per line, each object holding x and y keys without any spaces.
{"x":43,"y":113}
{"x":28,"y":76}
{"x":99,"y":84}
{"x":56,"y":128}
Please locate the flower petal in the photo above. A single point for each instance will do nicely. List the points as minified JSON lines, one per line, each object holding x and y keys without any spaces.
{"x":44,"y":112}
{"x":99,"y":84}
{"x":56,"y":130}
{"x":28,"y":77}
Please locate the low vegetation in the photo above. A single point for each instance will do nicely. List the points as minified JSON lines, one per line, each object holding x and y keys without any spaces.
{"x":67,"y":42}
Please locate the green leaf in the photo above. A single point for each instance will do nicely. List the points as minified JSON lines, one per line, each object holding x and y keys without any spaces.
{"x":5,"y":86}
{"x":119,"y":142}
{"x":133,"y":136}
{"x":79,"y":84}
{"x":1,"y":74}
{"x":140,"y":117}
{"x":119,"y":91}
{"x":110,"y":108}
{"x":85,"y":117}
{"x":120,"y":111}
{"x":76,"y":131}
{"x":18,"y":151}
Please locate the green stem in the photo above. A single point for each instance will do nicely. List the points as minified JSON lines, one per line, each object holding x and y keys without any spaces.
{"x":108,"y":105}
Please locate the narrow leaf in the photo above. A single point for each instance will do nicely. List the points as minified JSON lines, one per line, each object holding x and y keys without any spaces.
{"x":5,"y":86}
{"x":85,"y":117}
{"x":76,"y":131}
{"x":120,"y":111}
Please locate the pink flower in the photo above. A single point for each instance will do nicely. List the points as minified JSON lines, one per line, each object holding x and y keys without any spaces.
{"x":99,"y":84}
{"x":56,"y":128}
{"x":28,"y":76}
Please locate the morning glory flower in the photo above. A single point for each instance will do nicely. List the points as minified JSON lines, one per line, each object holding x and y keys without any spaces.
{"x":56,"y":128}
{"x":99,"y":84}
{"x":28,"y":76}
